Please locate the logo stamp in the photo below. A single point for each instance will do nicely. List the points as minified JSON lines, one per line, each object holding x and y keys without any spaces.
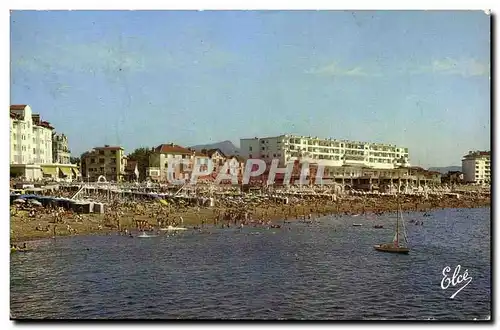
{"x":455,"y":279}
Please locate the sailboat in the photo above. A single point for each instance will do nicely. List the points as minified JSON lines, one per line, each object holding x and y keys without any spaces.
{"x":400,"y":242}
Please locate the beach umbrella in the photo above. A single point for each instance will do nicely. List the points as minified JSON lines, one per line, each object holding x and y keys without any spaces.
{"x":35,"y":202}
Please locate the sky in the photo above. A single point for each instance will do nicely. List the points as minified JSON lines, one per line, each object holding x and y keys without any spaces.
{"x":141,"y":78}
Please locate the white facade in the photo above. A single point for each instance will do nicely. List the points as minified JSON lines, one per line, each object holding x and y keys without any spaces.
{"x":329,"y":152}
{"x":30,"y":138}
{"x":476,"y":167}
{"x":60,"y":149}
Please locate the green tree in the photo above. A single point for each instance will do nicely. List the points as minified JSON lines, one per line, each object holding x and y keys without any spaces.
{"x":75,"y":160}
{"x":141,"y":155}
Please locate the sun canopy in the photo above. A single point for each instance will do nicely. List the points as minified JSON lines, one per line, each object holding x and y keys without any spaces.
{"x":49,"y":170}
{"x":66,"y":171}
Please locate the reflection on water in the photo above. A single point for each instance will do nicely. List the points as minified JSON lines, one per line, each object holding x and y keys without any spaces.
{"x":326,"y":270}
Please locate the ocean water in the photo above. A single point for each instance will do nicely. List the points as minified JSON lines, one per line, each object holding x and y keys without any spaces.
{"x":325,"y":270}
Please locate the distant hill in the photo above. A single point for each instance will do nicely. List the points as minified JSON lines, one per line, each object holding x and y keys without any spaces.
{"x":444,"y":170}
{"x":227,"y":147}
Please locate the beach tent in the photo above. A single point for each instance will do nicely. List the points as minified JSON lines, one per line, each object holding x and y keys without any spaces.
{"x":164,"y":202}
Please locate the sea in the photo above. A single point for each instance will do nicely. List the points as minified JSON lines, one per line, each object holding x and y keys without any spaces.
{"x":326,"y":270}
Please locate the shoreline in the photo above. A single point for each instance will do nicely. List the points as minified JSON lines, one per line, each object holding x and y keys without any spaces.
{"x":23,"y":228}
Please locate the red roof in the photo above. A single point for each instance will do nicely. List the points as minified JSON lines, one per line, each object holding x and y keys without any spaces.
{"x":45,"y":124}
{"x":173,"y":149}
{"x":18,"y":106}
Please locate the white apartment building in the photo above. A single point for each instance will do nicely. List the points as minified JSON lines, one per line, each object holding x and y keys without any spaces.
{"x":30,"y":137}
{"x":476,"y":167}
{"x":331,"y":152}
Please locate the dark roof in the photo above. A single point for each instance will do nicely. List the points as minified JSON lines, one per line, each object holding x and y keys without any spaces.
{"x":210,"y":152}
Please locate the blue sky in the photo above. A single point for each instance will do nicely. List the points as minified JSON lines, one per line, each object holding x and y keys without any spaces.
{"x":416,"y":79}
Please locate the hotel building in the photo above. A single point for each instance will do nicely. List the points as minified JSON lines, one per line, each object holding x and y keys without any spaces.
{"x":331,"y":152}
{"x":30,"y":137}
{"x":476,"y":167}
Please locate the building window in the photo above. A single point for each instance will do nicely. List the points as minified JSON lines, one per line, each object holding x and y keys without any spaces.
{"x":34,"y":150}
{"x":101,"y":152}
{"x":250,"y":148}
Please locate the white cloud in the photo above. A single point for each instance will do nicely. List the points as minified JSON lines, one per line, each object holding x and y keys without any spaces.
{"x":450,"y":66}
{"x":334,"y":69}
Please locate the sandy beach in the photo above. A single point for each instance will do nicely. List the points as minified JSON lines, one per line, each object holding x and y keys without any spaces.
{"x":153,"y":215}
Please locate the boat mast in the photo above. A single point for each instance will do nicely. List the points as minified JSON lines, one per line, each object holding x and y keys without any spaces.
{"x":397,"y":229}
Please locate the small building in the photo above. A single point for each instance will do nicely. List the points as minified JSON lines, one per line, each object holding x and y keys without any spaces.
{"x":236,"y":165}
{"x":164,"y":154}
{"x":131,"y":171}
{"x":453,"y":177}
{"x":217,"y":157}
{"x":106,"y":162}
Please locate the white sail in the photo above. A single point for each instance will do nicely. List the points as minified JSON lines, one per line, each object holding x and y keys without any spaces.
{"x":395,"y":237}
{"x":403,"y":237}
{"x":404,"y":229}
